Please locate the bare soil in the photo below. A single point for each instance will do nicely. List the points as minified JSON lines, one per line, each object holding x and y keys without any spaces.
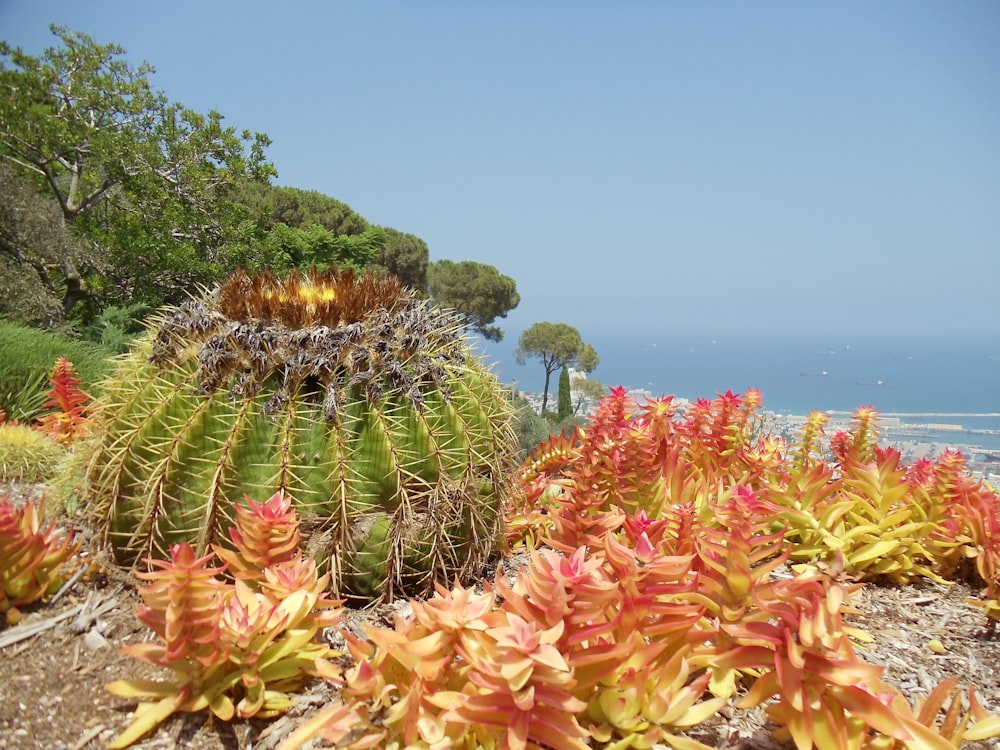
{"x":55,"y":663}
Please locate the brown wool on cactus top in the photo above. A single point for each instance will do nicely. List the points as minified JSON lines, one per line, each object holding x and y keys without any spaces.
{"x":330,"y":298}
{"x":333,"y":328}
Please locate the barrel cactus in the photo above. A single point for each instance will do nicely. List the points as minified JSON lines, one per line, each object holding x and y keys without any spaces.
{"x":362,"y":403}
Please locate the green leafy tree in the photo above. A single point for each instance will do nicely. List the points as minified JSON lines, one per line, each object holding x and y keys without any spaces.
{"x":314,"y":245}
{"x":306,"y":226}
{"x":557,"y":345}
{"x":584,"y":390}
{"x":144,"y":179}
{"x":406,"y":257}
{"x":280,"y":211}
{"x":565,"y":407}
{"x":587,"y":360}
{"x":272,"y":205}
{"x":478,"y":291}
{"x":357,"y":251}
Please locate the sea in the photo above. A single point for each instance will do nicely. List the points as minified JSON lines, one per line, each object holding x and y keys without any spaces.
{"x":947,"y":379}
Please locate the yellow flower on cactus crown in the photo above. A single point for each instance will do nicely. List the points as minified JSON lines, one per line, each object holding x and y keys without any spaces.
{"x":316,"y":294}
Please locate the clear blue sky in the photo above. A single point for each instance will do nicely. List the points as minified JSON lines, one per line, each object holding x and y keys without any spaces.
{"x":719,"y":165}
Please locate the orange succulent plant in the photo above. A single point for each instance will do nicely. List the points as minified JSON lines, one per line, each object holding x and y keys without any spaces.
{"x":70,"y":419}
{"x":235,"y":648}
{"x":652,"y":595}
{"x":31,"y":558}
{"x":264,"y":534}
{"x":647,"y":481}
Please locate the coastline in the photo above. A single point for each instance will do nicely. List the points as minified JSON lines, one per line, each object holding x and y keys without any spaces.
{"x":914,"y":440}
{"x":895,"y":374}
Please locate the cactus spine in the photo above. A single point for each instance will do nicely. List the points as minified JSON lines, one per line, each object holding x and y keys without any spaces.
{"x":362,"y":403}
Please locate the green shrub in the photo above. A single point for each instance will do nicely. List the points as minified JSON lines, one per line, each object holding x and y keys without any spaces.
{"x":25,"y":401}
{"x":28,"y":357}
{"x":116,"y":328}
{"x":530,"y":427}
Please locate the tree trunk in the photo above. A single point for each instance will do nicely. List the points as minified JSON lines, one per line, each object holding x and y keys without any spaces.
{"x":545,"y":393}
{"x":76,"y":288}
